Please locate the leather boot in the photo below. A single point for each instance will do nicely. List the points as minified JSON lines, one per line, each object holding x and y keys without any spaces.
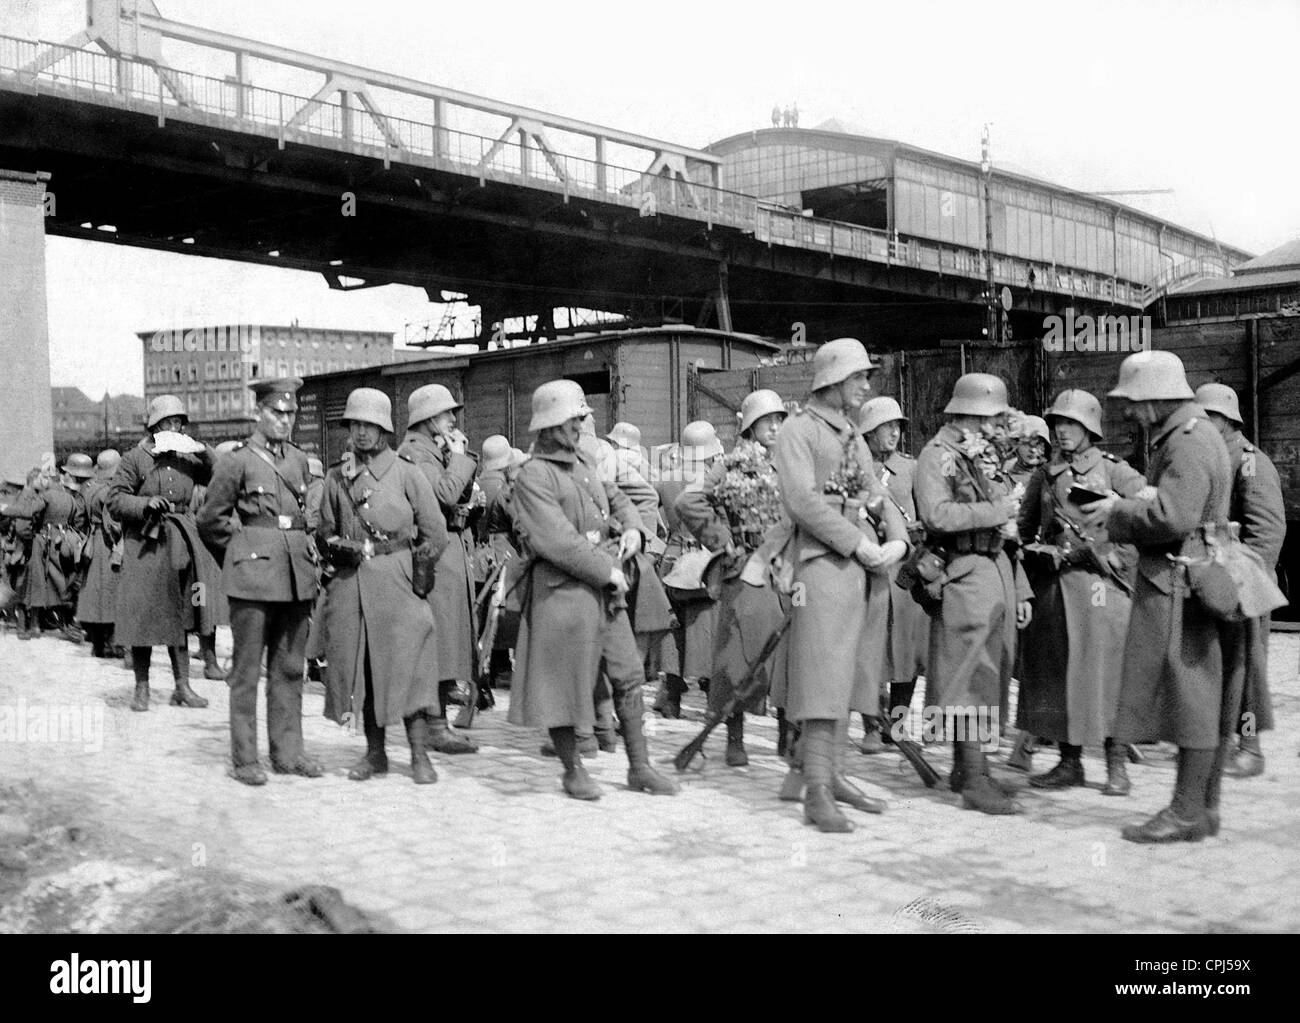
{"x":587,"y":746}
{"x":782,"y":733}
{"x":819,"y":806}
{"x":375,"y":762}
{"x":183,"y":695}
{"x":958,"y":777}
{"x":668,"y":703}
{"x":1186,"y":818}
{"x":1068,"y":772}
{"x":641,"y":777}
{"x":1247,"y":761}
{"x":979,"y":792}
{"x":24,"y":623}
{"x":576,"y":781}
{"x":844,"y":790}
{"x":736,"y":755}
{"x":140,"y":666}
{"x":1022,"y":757}
{"x":211,"y":666}
{"x":443,"y":740}
{"x":872,"y":741}
{"x":1117,"y":783}
{"x":417,"y":736}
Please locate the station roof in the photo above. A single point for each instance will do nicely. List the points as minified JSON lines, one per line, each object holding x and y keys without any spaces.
{"x":833,"y":134}
{"x":1284,"y":257}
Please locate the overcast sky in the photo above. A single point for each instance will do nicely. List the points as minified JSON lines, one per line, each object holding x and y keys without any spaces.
{"x":1197,"y":97}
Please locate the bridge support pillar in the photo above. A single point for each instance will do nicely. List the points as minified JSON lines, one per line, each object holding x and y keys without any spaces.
{"x":26,"y":413}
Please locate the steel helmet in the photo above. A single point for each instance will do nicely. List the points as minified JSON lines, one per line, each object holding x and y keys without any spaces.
{"x":517,"y":458}
{"x":163,"y":406}
{"x":1222,"y":399}
{"x":79,"y":465}
{"x":625,"y":435}
{"x":495,"y":453}
{"x":107,"y":461}
{"x":316,"y":467}
{"x":556,"y":402}
{"x":368,"y":405}
{"x":759,"y":404}
{"x":838,"y":360}
{"x":428,"y":401}
{"x":1080,"y":406}
{"x":877,"y":412}
{"x":700,"y":441}
{"x":978,"y":394}
{"x":1152,"y":376}
{"x":1035,"y":426}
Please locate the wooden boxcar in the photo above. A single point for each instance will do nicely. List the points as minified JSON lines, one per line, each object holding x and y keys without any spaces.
{"x":641,"y":376}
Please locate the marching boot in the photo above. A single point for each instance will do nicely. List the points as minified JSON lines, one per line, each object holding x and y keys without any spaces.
{"x":1186,"y":818}
{"x":183,"y":696}
{"x":422,"y":772}
{"x":443,"y":740}
{"x":24,"y":623}
{"x":844,"y":790}
{"x":668,"y":703}
{"x":641,"y":777}
{"x":958,"y":777}
{"x":736,"y":755}
{"x":375,"y":762}
{"x":979,"y":792}
{"x":1247,"y":761}
{"x":211,"y":666}
{"x":900,"y":703}
{"x":128,"y":658}
{"x":1022,"y":757}
{"x":96,"y":634}
{"x":872,"y":742}
{"x":782,"y":733}
{"x":577,"y":782}
{"x":1117,"y":783}
{"x":72,"y":632}
{"x":1066,"y":774}
{"x":794,"y":783}
{"x":819,"y":762}
{"x":140,"y":666}
{"x":1214,"y":784}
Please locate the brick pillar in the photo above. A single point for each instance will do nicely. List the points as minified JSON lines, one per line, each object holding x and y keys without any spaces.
{"x":26,"y":417}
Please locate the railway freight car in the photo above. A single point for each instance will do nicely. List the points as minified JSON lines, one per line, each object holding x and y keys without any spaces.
{"x":641,"y":376}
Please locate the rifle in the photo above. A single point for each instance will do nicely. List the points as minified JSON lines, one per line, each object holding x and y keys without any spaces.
{"x":489,"y":603}
{"x":740,"y":693}
{"x":911,"y":749}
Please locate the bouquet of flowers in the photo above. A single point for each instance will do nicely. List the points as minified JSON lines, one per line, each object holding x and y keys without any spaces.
{"x":980,"y":450}
{"x":749,"y":494}
{"x":851,"y":477}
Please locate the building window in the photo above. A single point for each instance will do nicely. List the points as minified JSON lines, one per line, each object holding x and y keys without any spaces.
{"x":284,"y":368}
{"x":299,"y":368}
{"x":210,"y":402}
{"x":209,"y":370}
{"x":194,"y":372}
{"x":315,"y":365}
{"x":223,"y":370}
{"x":176,"y":373}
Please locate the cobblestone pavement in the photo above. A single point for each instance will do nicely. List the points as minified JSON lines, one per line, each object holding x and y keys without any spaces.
{"x":495,"y":845}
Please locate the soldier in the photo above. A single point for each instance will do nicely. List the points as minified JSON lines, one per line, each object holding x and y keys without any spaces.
{"x":16,"y":543}
{"x":379,"y":515}
{"x":1178,"y":671}
{"x":97,"y":599}
{"x":150,"y":496}
{"x":497,"y":533}
{"x":574,"y":621}
{"x":908,"y":624}
{"x":1258,"y":506}
{"x":315,"y":491}
{"x":732,"y":508}
{"x":969,"y":512}
{"x":60,"y":522}
{"x":254,"y":517}
{"x":1072,"y":653}
{"x":1032,"y":444}
{"x":434,"y":444}
{"x":686,"y":651}
{"x":623,"y":461}
{"x":835,"y":665}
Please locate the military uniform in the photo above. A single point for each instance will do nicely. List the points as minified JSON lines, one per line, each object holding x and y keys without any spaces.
{"x":60,"y":521}
{"x":451,"y":474}
{"x":16,"y":548}
{"x":909,"y":625}
{"x":254,"y":513}
{"x":973,"y":635}
{"x":1071,"y":653}
{"x":97,"y":600}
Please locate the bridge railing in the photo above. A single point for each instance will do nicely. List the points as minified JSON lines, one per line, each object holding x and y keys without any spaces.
{"x":170,"y":94}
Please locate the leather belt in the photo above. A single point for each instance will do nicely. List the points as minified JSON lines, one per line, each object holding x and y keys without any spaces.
{"x":386,"y":546}
{"x":286,"y":522}
{"x":978,"y":541}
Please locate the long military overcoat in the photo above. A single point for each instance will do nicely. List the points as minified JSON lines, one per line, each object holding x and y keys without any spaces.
{"x":97,"y":601}
{"x":372,"y":613}
{"x":1173,"y":685}
{"x":909,"y":625}
{"x":566,"y":516}
{"x":61,"y":521}
{"x":157,"y":599}
{"x":836,"y":663}
{"x":451,"y":474}
{"x":973,"y":635}
{"x":1072,"y":652}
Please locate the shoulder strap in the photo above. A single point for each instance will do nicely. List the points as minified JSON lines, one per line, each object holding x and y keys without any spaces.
{"x":266,"y":457}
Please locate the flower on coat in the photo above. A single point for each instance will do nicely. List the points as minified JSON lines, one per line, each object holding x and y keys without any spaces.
{"x":749,"y":494}
{"x":980,"y":450}
{"x":851,"y":478}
